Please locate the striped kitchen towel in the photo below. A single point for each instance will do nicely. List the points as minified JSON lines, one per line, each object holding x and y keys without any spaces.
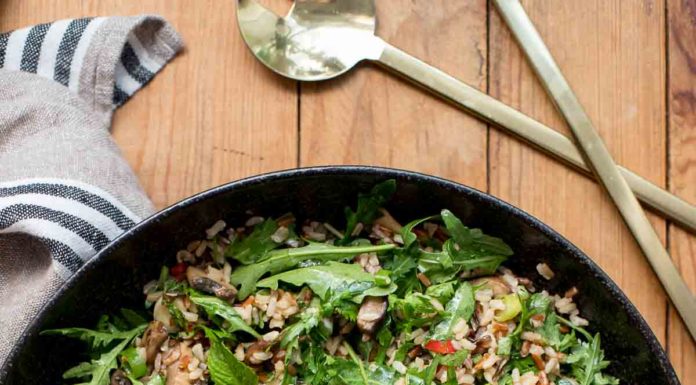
{"x":65,"y":190}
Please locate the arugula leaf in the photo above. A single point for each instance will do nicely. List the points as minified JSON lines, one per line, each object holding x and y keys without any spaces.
{"x":280,"y":260}
{"x":473,"y":241}
{"x":132,"y":318}
{"x":402,"y":268}
{"x":98,"y":369}
{"x":431,"y":370}
{"x":415,"y":309}
{"x":215,"y":306}
{"x":504,"y":346}
{"x":177,"y":315}
{"x":407,"y":233}
{"x":254,"y":246}
{"x":95,"y":339}
{"x":309,"y":319}
{"x":443,"y":292}
{"x":400,"y":265}
{"x":587,"y":361}
{"x":455,"y":360}
{"x":341,"y":371}
{"x":321,"y":278}
{"x":225,"y":368}
{"x":461,"y":306}
{"x":368,"y":208}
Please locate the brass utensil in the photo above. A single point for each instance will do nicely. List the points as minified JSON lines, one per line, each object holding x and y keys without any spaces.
{"x":322,"y":39}
{"x":599,"y":157}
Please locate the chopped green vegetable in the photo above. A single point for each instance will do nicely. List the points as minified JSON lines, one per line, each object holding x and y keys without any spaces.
{"x":133,"y":361}
{"x":513,"y":307}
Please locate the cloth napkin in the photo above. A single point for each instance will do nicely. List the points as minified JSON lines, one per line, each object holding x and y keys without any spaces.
{"x":65,"y":190}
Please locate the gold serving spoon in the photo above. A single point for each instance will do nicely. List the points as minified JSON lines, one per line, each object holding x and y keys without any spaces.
{"x":322,"y":39}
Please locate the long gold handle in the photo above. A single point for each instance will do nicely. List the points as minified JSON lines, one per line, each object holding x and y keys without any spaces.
{"x":598,"y":155}
{"x":534,"y":132}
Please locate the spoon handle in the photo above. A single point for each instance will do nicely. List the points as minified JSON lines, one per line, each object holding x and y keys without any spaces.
{"x":534,"y":132}
{"x":600,"y":158}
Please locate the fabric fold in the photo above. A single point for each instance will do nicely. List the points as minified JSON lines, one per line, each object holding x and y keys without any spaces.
{"x":65,"y":189}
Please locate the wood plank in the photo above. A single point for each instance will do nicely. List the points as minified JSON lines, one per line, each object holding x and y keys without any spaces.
{"x":613,"y":55}
{"x":682,"y":166}
{"x":212,"y":115}
{"x":372,"y":117}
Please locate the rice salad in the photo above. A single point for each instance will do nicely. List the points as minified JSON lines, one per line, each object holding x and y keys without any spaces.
{"x":278,"y":301}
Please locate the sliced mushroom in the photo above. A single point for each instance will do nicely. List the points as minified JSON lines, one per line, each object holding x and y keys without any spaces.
{"x":119,"y":378}
{"x":482,"y":344}
{"x":371,"y":313}
{"x":497,"y":285}
{"x":199,"y":280}
{"x":153,"y":338}
{"x":388,"y":221}
{"x":177,"y":372}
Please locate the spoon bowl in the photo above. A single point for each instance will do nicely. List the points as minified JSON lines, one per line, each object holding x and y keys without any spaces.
{"x":317,"y":40}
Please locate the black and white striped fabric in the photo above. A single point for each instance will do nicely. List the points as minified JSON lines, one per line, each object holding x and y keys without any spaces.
{"x":73,"y":219}
{"x":65,"y":189}
{"x":57,"y":51}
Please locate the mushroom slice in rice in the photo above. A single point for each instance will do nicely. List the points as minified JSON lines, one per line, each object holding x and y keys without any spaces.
{"x":153,"y":338}
{"x":371,"y":313}
{"x":177,"y":373}
{"x":199,"y":280}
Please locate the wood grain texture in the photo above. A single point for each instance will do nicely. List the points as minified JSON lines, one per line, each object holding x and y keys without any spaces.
{"x":682,"y":166}
{"x":612,"y":54}
{"x":199,"y":123}
{"x":371,"y":117}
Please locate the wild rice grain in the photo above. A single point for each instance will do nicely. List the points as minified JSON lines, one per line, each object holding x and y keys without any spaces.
{"x":215,"y":229}
{"x":253,"y":221}
{"x":545,"y":271}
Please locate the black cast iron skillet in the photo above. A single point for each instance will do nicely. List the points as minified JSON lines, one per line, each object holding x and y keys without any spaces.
{"x":114,"y":278}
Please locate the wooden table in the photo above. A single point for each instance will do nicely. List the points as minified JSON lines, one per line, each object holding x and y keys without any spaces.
{"x":216,"y":115}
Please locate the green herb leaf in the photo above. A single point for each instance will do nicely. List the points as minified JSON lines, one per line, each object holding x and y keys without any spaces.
{"x":587,"y":361}
{"x":473,"y":241}
{"x":132,"y":318}
{"x":321,"y":278}
{"x":280,"y":260}
{"x":368,"y":208}
{"x":255,"y":246}
{"x":95,"y":339}
{"x":407,"y":231}
{"x":215,"y":306}
{"x":97,"y":370}
{"x":225,"y":368}
{"x":443,"y":292}
{"x":460,"y":307}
